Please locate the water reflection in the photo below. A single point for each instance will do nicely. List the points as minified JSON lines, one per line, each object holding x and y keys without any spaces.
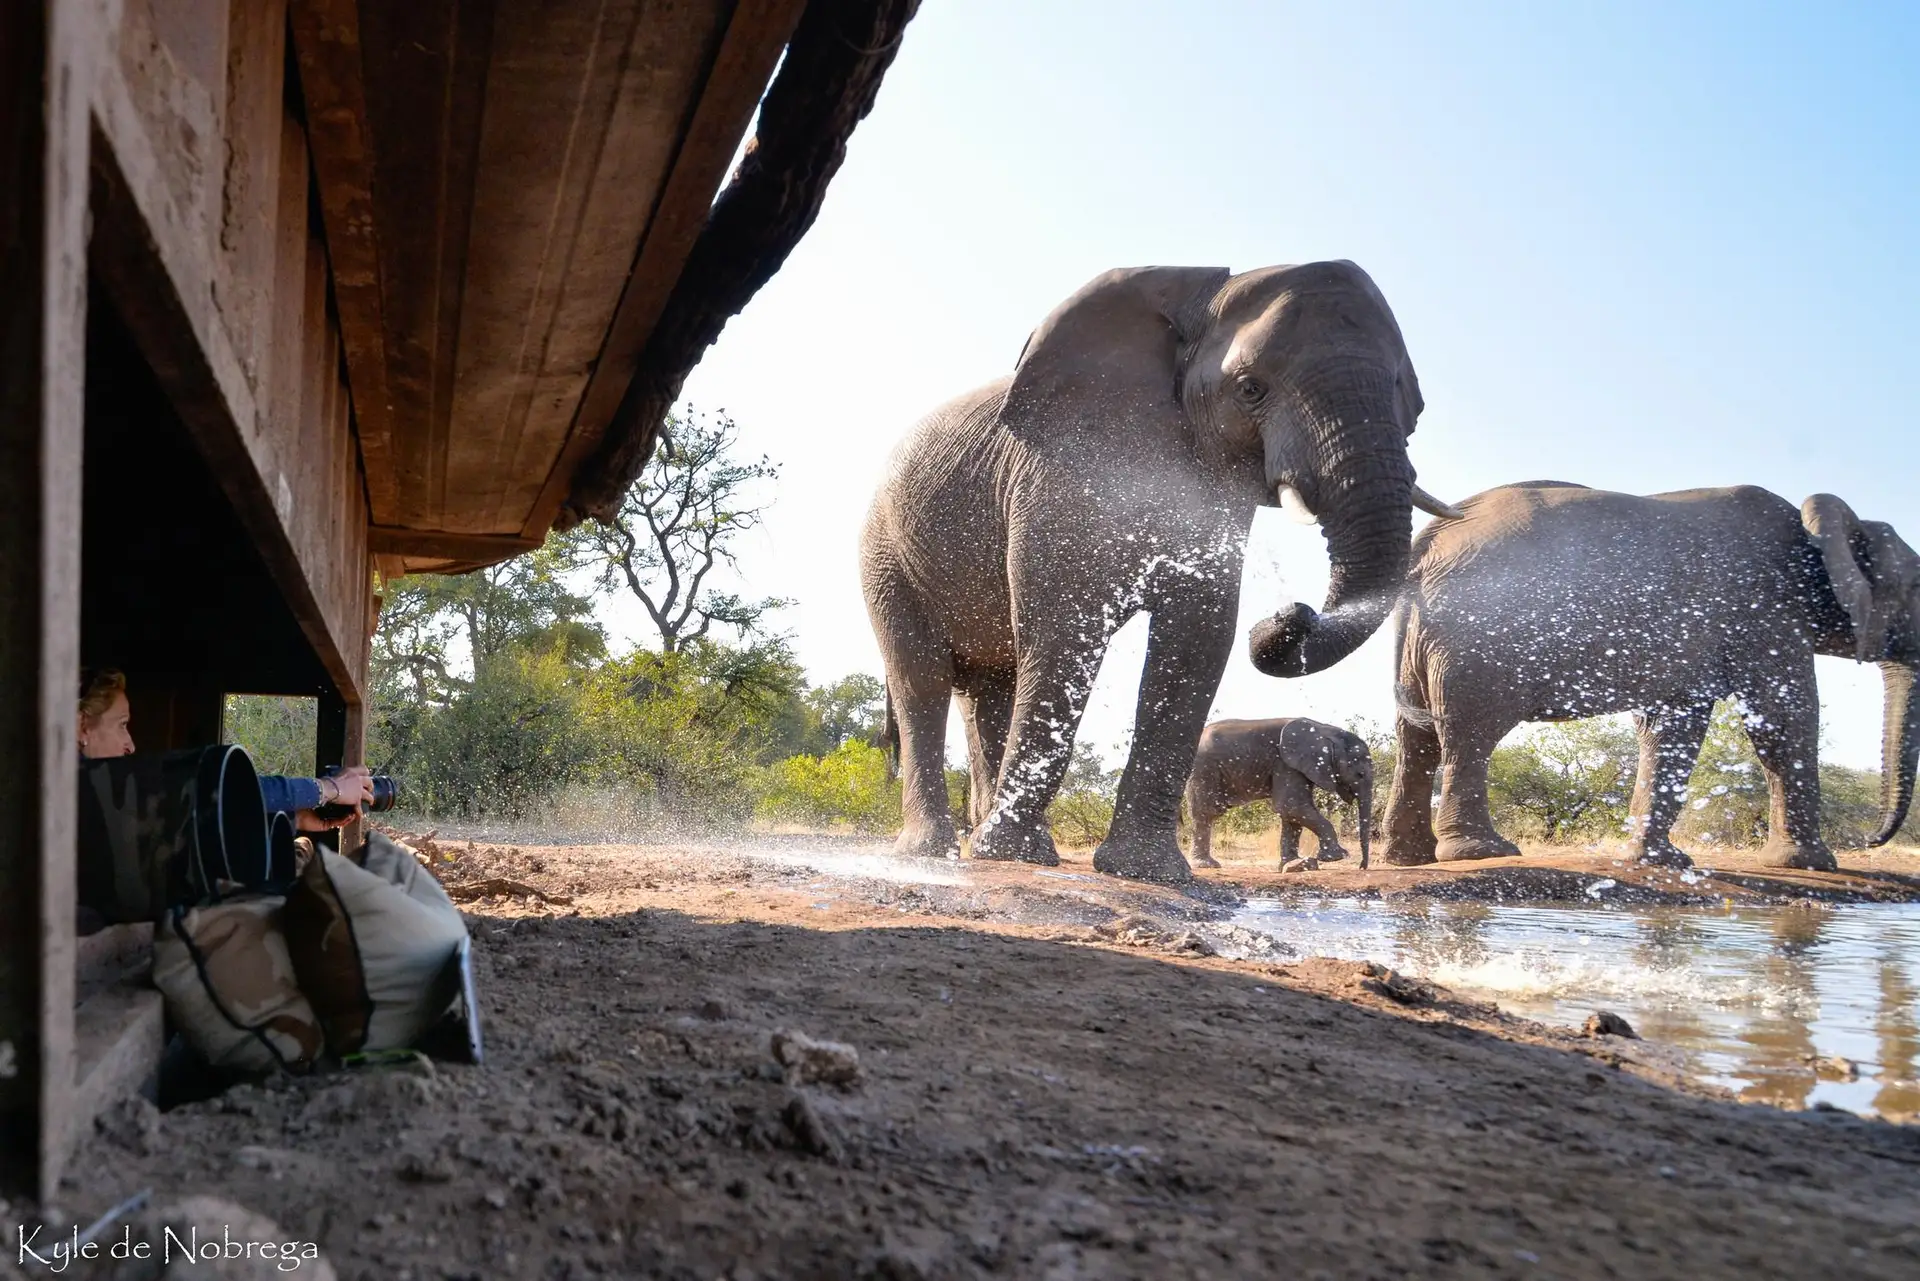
{"x":1792,"y":1006}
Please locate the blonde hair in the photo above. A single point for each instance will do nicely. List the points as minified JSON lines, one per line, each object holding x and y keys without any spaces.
{"x":98,"y":690}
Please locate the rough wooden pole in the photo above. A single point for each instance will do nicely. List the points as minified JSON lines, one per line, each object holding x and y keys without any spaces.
{"x":340,"y":739}
{"x":44,"y":90}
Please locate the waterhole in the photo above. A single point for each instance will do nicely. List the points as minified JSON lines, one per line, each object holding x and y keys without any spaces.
{"x":1793,"y":1006}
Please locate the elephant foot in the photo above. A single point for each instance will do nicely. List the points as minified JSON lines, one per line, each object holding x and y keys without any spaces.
{"x":1809,"y":856}
{"x":1002,"y":842}
{"x":1331,"y":854}
{"x":1661,"y":854}
{"x":1461,"y":849}
{"x":1205,"y":860}
{"x":927,"y":840}
{"x":1408,"y":849}
{"x":1143,"y":858}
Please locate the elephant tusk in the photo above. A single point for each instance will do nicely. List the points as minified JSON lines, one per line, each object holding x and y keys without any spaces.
{"x":1434,"y":507}
{"x":1295,"y":506}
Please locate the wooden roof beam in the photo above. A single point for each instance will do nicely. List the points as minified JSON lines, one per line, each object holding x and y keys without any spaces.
{"x":326,"y":43}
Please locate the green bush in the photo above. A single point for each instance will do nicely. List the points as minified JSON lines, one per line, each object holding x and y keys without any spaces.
{"x":848,"y":787}
{"x":278,"y":733}
{"x":1082,"y":809}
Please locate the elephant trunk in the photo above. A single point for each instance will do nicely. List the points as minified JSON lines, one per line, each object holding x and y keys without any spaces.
{"x":1368,"y":520}
{"x":1899,"y":749}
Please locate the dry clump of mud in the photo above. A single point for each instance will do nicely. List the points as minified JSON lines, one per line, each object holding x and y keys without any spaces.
{"x":1001,"y":1095}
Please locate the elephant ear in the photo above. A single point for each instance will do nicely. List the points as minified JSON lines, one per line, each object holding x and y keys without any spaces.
{"x":1835,"y":531}
{"x":1111,"y":353}
{"x":1307,"y":748}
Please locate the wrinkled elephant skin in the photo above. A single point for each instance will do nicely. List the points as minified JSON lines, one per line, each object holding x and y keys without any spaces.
{"x":1117,"y":471}
{"x":1551,"y":602}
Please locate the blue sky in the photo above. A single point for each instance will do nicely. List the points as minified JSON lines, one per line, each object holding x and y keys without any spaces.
{"x":1642,"y":247}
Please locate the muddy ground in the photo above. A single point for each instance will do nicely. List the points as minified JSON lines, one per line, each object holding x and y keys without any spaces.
{"x":1054,"y":1080}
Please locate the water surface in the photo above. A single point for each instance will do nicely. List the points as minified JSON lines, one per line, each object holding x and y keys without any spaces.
{"x":1785,"y":1005}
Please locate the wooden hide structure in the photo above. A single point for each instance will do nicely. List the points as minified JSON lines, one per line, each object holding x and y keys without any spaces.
{"x":300,"y":295}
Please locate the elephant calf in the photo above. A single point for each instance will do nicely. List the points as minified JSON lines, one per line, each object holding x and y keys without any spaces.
{"x":1283,"y":761}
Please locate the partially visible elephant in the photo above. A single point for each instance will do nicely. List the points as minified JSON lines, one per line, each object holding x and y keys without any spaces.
{"x":1282,"y":761}
{"x":1118,"y":470}
{"x":1549,"y":601}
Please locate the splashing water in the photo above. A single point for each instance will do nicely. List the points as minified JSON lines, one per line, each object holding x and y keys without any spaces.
{"x":1792,"y":1006}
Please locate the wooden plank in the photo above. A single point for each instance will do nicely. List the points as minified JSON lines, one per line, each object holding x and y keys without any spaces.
{"x":112,"y":955}
{"x":587,"y":105}
{"x":485,"y":549}
{"x":425,"y":77}
{"x":758,"y":32}
{"x":326,"y":42}
{"x":119,"y":1034}
{"x":47,"y":58}
{"x":256,"y":89}
{"x":159,"y":282}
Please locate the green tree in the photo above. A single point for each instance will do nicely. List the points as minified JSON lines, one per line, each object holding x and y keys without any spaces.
{"x":853,"y":707}
{"x":1727,"y":796}
{"x":676,"y":525}
{"x":1082,"y":809}
{"x":1565,"y":780}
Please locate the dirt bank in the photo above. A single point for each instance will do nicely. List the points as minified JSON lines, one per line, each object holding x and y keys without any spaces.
{"x":1560,"y":873}
{"x":1084,"y":1100}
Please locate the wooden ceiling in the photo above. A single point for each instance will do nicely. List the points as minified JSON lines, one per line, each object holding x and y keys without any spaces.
{"x":509,"y":192}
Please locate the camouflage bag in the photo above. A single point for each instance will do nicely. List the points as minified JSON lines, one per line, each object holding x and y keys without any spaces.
{"x":228,"y":981}
{"x":160,"y":830}
{"x":379,"y":960}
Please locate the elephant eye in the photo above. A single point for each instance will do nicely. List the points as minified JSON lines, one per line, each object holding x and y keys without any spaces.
{"x":1249,"y":390}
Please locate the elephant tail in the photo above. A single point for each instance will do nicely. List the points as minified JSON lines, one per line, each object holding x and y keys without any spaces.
{"x":1404,"y":695}
{"x":890,"y":739}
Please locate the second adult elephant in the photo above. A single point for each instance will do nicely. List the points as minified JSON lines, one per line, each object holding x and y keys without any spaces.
{"x":1118,"y":471}
{"x":1551,"y":602}
{"x":1281,"y":761}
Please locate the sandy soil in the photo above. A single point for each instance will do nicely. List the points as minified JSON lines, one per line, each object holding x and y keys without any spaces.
{"x":1090,"y":1099}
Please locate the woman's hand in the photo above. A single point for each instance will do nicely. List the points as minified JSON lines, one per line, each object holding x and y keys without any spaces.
{"x":308,"y":821}
{"x":351,"y":786}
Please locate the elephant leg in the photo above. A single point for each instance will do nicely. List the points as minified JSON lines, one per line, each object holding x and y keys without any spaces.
{"x":1202,"y":816}
{"x":1785,"y":730}
{"x":1463,"y":829}
{"x":1669,"y":746}
{"x":1188,"y":645}
{"x":1409,"y":837}
{"x":987,"y":702}
{"x":1293,"y":801}
{"x":1057,"y":666}
{"x":1330,"y":851}
{"x":1289,"y":839}
{"x":920,"y":683}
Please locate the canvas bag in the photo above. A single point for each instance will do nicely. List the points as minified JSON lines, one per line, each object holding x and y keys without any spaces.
{"x":228,"y":981}
{"x":376,"y":958}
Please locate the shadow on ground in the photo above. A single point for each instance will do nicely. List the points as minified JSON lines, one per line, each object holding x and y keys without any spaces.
{"x":1026,"y":1108}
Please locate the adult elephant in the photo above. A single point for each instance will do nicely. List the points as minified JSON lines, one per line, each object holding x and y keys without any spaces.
{"x":1117,"y":470}
{"x":1283,"y":761}
{"x":1548,"y":601}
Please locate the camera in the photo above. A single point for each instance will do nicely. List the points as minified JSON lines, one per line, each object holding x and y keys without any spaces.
{"x":386,"y":794}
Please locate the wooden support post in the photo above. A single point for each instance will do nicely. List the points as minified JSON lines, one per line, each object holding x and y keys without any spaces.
{"x":45,"y":85}
{"x":340,"y":739}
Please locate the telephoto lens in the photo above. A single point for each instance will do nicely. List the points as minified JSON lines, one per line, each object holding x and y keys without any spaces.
{"x":386,"y":794}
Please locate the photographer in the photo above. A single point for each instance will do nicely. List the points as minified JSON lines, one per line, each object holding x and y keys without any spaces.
{"x":105,"y":729}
